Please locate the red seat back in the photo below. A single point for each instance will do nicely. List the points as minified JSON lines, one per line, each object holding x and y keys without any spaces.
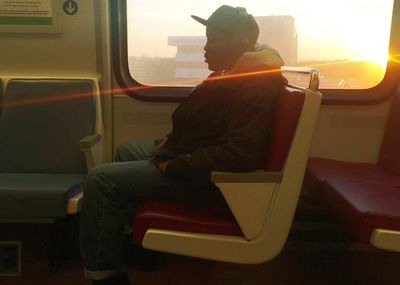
{"x":287,"y":112}
{"x":389,"y":156}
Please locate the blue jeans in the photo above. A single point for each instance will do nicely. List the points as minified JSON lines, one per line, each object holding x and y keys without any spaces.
{"x":112,"y":189}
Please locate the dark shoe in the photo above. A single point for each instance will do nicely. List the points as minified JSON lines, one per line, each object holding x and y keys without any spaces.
{"x":118,"y":280}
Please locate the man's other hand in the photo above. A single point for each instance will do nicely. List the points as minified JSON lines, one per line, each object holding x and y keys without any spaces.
{"x":163,"y":166}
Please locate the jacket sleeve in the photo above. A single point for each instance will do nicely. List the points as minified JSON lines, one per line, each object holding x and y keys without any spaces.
{"x":243,"y":146}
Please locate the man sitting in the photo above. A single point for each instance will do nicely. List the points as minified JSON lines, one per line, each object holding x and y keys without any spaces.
{"x":224,"y":124}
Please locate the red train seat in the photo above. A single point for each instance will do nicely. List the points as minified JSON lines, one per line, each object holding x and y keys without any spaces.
{"x":219,"y":220}
{"x":260,"y":205}
{"x":365,"y":197}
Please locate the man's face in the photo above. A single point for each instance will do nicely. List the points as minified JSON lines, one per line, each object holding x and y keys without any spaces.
{"x":220,"y":53}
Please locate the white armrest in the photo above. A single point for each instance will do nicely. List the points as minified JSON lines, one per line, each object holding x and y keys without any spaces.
{"x":74,"y":204}
{"x":91,"y":146}
{"x":386,"y":239}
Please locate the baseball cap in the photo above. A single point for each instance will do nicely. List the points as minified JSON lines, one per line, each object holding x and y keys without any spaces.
{"x":232,"y":20}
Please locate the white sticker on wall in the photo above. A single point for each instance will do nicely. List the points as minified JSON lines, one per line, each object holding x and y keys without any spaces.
{"x":30,"y":16}
{"x":26,"y":12}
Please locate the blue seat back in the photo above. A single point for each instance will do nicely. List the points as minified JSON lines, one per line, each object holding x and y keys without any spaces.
{"x":41,"y":123}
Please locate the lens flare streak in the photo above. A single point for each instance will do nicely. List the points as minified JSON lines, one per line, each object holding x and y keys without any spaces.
{"x":17,"y":103}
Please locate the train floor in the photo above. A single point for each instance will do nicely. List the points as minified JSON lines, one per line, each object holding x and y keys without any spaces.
{"x":296,"y":264}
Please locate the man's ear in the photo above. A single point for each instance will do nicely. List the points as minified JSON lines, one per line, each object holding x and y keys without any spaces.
{"x":240,"y":42}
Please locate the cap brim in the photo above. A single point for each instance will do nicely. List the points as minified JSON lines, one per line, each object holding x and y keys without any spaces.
{"x":200,"y":20}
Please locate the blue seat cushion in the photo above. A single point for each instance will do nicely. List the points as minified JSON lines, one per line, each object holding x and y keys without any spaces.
{"x":25,"y":195}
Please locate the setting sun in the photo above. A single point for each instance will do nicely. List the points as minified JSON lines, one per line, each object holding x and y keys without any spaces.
{"x":380,"y":59}
{"x":376,"y":51}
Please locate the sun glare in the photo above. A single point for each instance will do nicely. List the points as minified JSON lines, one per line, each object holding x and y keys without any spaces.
{"x":394,"y":58}
{"x":380,"y":59}
{"x":376,"y":51}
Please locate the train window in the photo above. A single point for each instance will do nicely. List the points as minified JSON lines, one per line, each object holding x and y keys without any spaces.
{"x":347,"y":40}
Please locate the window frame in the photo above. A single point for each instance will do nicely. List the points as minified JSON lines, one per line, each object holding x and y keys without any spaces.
{"x":370,"y":96}
{"x":122,"y":74}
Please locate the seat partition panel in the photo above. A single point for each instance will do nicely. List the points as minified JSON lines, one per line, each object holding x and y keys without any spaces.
{"x":389,"y":156}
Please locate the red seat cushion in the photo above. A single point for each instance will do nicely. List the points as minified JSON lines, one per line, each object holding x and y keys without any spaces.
{"x":362,"y":207}
{"x":178,"y":216}
{"x":363,"y":196}
{"x":320,"y":170}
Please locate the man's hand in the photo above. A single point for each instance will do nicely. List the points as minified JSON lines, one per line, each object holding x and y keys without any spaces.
{"x":163,"y":166}
{"x":156,"y":149}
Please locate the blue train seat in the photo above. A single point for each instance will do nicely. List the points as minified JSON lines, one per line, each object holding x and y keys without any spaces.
{"x":44,"y":125}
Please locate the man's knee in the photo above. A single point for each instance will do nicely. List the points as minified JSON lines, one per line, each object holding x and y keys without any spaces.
{"x":97,"y":172}
{"x":100,"y":185}
{"x":100,"y":176}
